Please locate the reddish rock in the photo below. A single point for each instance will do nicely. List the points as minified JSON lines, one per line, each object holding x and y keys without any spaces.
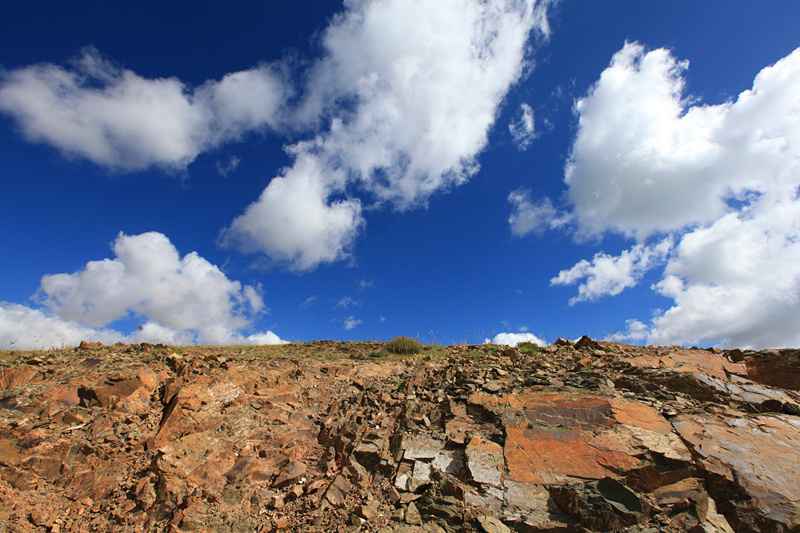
{"x":16,"y":377}
{"x":776,"y":368}
{"x":751,"y":466}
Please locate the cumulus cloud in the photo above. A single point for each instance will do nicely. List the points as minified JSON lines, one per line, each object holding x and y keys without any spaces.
{"x":180,"y":300}
{"x":398,"y":109}
{"x":405,"y":97}
{"x":523,"y":128}
{"x":295,"y":222}
{"x":528,"y":216}
{"x":722,"y":180}
{"x":645,"y":161}
{"x":512,"y":339}
{"x":23,"y":328}
{"x":608,"y":275}
{"x":120,"y":120}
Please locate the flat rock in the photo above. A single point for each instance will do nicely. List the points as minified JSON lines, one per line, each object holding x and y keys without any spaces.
{"x":755,"y":459}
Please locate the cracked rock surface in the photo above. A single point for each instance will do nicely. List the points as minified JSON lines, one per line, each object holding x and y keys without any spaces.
{"x":341,"y":437}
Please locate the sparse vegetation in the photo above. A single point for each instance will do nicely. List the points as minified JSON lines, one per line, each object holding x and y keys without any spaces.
{"x":528,"y":348}
{"x":404,"y":346}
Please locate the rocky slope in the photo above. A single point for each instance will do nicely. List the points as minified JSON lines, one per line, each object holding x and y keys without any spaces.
{"x":325,"y":436}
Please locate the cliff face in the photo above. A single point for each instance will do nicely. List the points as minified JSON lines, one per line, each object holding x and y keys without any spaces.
{"x":337,"y":437}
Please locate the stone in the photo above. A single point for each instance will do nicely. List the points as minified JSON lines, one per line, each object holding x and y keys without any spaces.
{"x":492,"y":525}
{"x":752,"y":467}
{"x":602,"y":505}
{"x":320,"y":437}
{"x":412,"y":515}
{"x":485,"y":461}
{"x":586,"y":343}
{"x":291,"y":473}
{"x":17,"y":377}
{"x":779,"y":368}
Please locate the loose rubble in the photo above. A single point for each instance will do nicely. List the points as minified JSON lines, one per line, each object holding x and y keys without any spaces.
{"x":339,"y":437}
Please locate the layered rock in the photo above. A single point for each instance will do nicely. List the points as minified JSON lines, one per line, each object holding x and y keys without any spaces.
{"x":335,"y":437}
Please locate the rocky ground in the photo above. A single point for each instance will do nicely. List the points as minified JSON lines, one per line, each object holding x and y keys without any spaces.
{"x":341,"y":437}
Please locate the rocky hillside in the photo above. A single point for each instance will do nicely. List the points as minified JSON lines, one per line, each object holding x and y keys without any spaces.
{"x":326,"y":437}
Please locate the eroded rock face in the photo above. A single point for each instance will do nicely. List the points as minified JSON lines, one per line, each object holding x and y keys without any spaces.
{"x":577,"y":437}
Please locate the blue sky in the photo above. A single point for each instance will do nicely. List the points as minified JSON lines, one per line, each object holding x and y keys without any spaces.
{"x":454,"y":171}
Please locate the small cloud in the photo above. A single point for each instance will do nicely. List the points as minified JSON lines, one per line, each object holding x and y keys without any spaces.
{"x":225,"y":169}
{"x":528,"y":216}
{"x":346,"y":303}
{"x":382,"y":319}
{"x":351,"y":322}
{"x":363,"y":285}
{"x":522,"y":328}
{"x":522,"y":128}
{"x":519,"y":292}
{"x":308,"y":301}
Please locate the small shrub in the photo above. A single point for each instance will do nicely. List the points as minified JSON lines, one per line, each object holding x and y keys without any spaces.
{"x":403,"y":345}
{"x":377,"y":355}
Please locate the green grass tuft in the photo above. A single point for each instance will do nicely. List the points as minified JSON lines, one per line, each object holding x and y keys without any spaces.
{"x":528,"y":348}
{"x":403,"y":346}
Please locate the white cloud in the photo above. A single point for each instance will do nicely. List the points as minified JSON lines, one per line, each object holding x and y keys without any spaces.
{"x":635,"y":331}
{"x":347,"y":302}
{"x":308,"y":301}
{"x":294,"y":221}
{"x":351,"y":322}
{"x":422,"y":83}
{"x":363,"y":285}
{"x":644,"y":161}
{"x":523,"y":128}
{"x":181,"y":300}
{"x":400,"y":104}
{"x":512,"y":339}
{"x":610,"y":275}
{"x":23,"y":328}
{"x":529,"y":217}
{"x":118,"y":119}
{"x":723,"y":180}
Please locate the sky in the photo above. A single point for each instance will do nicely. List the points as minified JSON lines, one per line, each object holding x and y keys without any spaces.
{"x":457,"y":171}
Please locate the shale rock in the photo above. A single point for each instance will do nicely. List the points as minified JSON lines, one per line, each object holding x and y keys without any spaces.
{"x":335,"y":437}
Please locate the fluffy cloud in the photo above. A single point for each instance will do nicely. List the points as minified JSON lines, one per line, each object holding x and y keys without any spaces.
{"x":609,"y":275}
{"x":294,"y":221}
{"x":722,"y":180}
{"x":522,"y":128}
{"x":645,"y":162}
{"x":512,"y":339}
{"x":23,"y":328}
{"x":407,"y":92}
{"x":118,"y":119}
{"x":180,"y":300}
{"x":400,"y":105}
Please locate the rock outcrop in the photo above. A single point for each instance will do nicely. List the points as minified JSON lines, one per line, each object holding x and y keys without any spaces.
{"x":324,"y":436}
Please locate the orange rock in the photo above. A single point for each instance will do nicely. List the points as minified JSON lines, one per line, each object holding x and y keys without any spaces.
{"x":551,"y":455}
{"x":15,"y":377}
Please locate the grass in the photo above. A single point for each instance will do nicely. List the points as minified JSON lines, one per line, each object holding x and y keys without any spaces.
{"x":404,"y":346}
{"x":528,"y":348}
